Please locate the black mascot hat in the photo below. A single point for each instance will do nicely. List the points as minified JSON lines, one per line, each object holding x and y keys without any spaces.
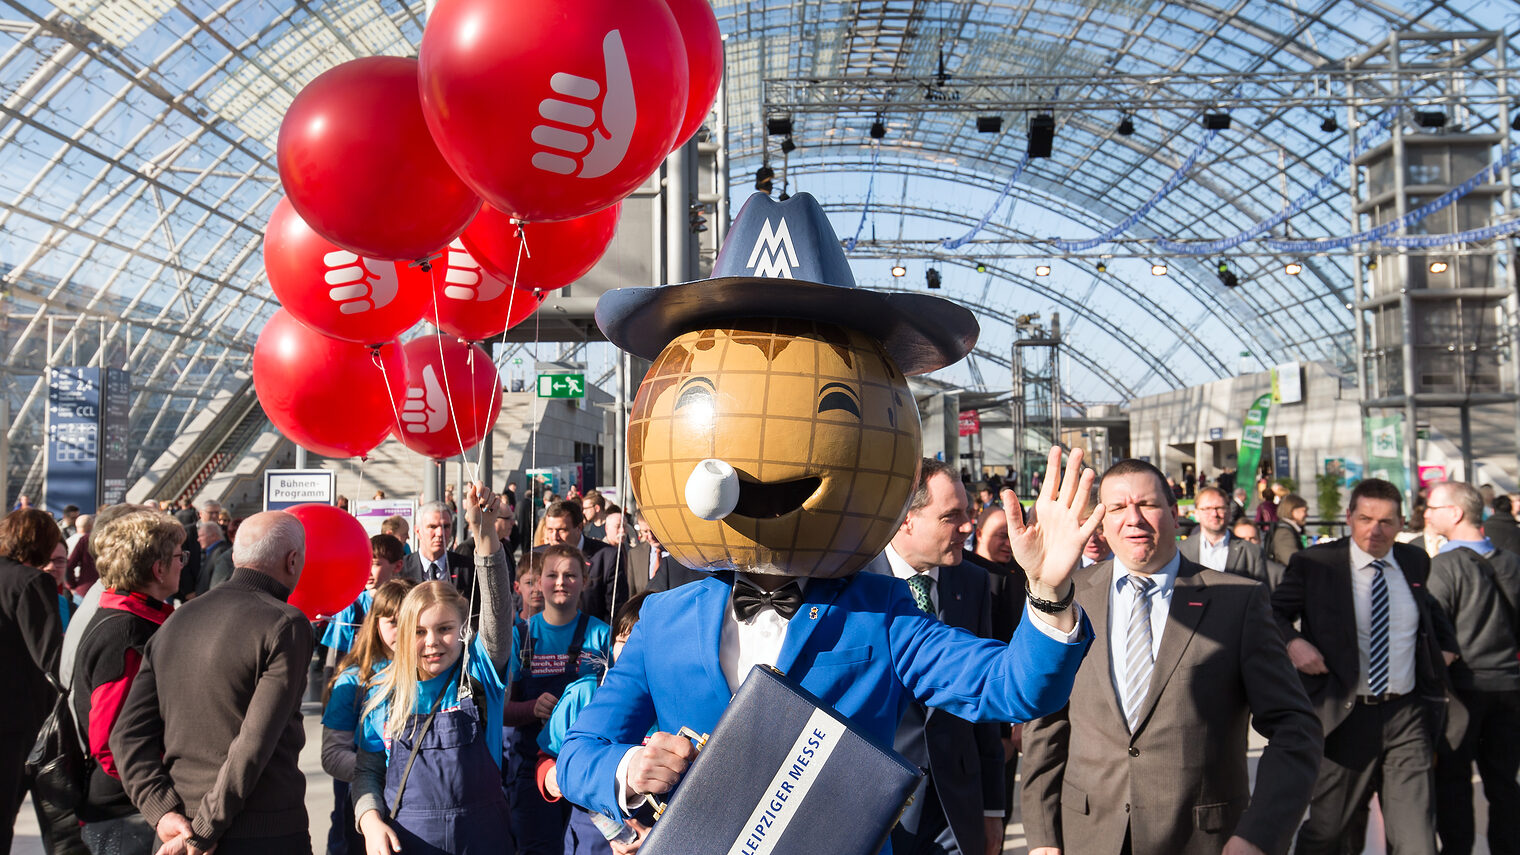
{"x":783,"y":260}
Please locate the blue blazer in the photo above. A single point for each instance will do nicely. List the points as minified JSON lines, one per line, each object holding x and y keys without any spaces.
{"x":858,"y":643}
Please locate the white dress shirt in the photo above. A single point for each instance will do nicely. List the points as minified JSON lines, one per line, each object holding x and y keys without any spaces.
{"x":1215,"y":556}
{"x":1403,"y":621}
{"x":1121,"y":601}
{"x":757,"y":641}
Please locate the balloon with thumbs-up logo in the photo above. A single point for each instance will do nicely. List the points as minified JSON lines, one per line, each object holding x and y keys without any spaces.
{"x":452,"y":398}
{"x":551,"y":111}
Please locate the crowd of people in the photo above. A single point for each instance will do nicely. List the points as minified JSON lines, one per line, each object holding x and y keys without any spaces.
{"x":1371,"y":665}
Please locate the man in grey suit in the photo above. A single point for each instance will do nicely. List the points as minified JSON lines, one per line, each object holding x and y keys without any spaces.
{"x":1212,"y":544}
{"x":1150,"y":754}
{"x":964,"y":760}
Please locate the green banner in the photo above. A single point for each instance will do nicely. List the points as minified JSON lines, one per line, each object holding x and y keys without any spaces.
{"x":1386,"y":455}
{"x":1250,"y":447}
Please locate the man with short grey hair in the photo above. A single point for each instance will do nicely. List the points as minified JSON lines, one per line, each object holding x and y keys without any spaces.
{"x":216,"y":556}
{"x":1477,"y":587}
{"x":433,"y":559}
{"x":209,"y":738}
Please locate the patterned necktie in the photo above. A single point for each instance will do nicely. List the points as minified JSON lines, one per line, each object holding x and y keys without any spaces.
{"x":1377,"y":652}
{"x":1139,"y":660}
{"x":921,"y":583}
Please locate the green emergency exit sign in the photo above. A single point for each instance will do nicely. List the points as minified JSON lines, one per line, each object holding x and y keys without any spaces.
{"x":561,"y":385}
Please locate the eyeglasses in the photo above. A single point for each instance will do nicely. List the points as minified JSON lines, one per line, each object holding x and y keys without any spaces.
{"x":1210,"y":510}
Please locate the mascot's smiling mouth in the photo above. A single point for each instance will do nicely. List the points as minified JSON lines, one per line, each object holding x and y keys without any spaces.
{"x":764,"y":501}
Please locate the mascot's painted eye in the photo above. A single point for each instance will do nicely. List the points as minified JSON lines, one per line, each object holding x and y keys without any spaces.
{"x":837,"y":396}
{"x":697,"y":392}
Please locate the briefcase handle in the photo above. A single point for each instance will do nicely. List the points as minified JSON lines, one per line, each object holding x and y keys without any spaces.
{"x":701,"y":739}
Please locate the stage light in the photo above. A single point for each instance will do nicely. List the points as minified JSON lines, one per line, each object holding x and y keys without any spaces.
{"x":1042,"y":270}
{"x":696,"y":221}
{"x":1293,"y":268}
{"x":1126,"y":127}
{"x":764,"y":176}
{"x":1372,"y":263}
{"x":899,"y":271}
{"x":1329,"y":125}
{"x":1227,"y":276}
{"x":878,"y":129}
{"x":787,"y":146}
{"x":1430,"y":118}
{"x":779,"y":126}
{"x":1042,"y":134}
{"x":1216,"y":121}
{"x":1514,"y":123}
{"x":1439,"y":267}
{"x":980,"y":267}
{"x":989,"y":124}
{"x":931,"y":276}
{"x":1102,"y":268}
{"x":1158,"y":269}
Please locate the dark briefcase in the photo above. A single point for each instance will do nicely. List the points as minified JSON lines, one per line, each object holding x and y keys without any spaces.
{"x":784,"y":774}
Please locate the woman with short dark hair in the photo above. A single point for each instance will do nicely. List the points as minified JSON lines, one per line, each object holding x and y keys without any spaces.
{"x":31,"y":636}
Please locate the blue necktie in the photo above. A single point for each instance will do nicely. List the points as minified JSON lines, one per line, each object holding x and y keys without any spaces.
{"x":1139,"y":660}
{"x":1377,"y":648}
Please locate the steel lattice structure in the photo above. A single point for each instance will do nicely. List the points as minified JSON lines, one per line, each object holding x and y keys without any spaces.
{"x":137,"y":169}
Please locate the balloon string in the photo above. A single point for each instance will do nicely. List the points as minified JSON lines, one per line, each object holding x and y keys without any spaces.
{"x":374,"y":356}
{"x":485,"y":420}
{"x":448,"y":394}
{"x":359,"y":487}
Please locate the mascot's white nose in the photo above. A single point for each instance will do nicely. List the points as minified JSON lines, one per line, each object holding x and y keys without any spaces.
{"x":712,"y":491}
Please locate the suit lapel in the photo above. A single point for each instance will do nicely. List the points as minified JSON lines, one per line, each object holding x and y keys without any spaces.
{"x":711,"y":603}
{"x":1189,"y":602}
{"x":1093,"y":597}
{"x":953,"y":603}
{"x":817,"y":602}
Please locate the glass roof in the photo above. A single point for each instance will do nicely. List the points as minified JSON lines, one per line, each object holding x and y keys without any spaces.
{"x":136,"y":170}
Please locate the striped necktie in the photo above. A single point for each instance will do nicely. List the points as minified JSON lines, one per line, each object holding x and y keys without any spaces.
{"x":1377,"y":647}
{"x":1139,"y":658}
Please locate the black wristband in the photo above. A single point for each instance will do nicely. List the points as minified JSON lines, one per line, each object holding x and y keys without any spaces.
{"x":1050,"y":607}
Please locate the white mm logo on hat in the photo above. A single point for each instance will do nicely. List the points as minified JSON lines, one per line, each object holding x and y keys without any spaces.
{"x":773,"y":256}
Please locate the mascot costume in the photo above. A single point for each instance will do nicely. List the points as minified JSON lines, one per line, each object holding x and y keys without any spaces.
{"x":775,"y":443}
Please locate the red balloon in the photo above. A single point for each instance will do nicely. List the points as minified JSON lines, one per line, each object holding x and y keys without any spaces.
{"x":359,"y":165}
{"x":326,"y":395}
{"x":473,"y":303}
{"x":556,"y":254}
{"x":335,"y":291}
{"x":704,"y":61}
{"x":553,"y":110}
{"x":453,"y":396}
{"x":337,"y":560}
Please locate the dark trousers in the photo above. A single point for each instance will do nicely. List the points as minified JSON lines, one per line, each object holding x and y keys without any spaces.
{"x":925,"y":831}
{"x":1380,"y":748}
{"x":343,"y":837}
{"x":538,"y":824}
{"x":13,"y":750}
{"x":1493,"y":740}
{"x":125,"y":835}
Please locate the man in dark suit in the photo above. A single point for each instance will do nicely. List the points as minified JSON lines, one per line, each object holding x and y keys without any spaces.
{"x":1213,"y":546}
{"x":624,"y":571}
{"x":994,"y":553}
{"x":1367,"y":648}
{"x":563,"y":523}
{"x":964,"y":760}
{"x":433,"y":559}
{"x":1150,"y":755}
{"x":216,"y":556}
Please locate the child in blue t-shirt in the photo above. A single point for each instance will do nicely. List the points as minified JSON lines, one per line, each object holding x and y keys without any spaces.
{"x":552,"y":649}
{"x":589,"y":833}
{"x":385,"y":558}
{"x":372,"y":648}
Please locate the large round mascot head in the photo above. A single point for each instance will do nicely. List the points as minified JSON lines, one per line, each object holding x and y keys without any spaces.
{"x":775,"y":432}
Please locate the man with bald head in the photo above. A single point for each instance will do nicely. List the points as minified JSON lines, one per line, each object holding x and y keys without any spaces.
{"x":208,"y":739}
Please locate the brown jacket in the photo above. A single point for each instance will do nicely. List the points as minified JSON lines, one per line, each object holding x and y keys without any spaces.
{"x":212,"y":724}
{"x":1178,"y":784}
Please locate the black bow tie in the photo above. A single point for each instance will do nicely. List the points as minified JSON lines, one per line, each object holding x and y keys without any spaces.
{"x":749,"y":600}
